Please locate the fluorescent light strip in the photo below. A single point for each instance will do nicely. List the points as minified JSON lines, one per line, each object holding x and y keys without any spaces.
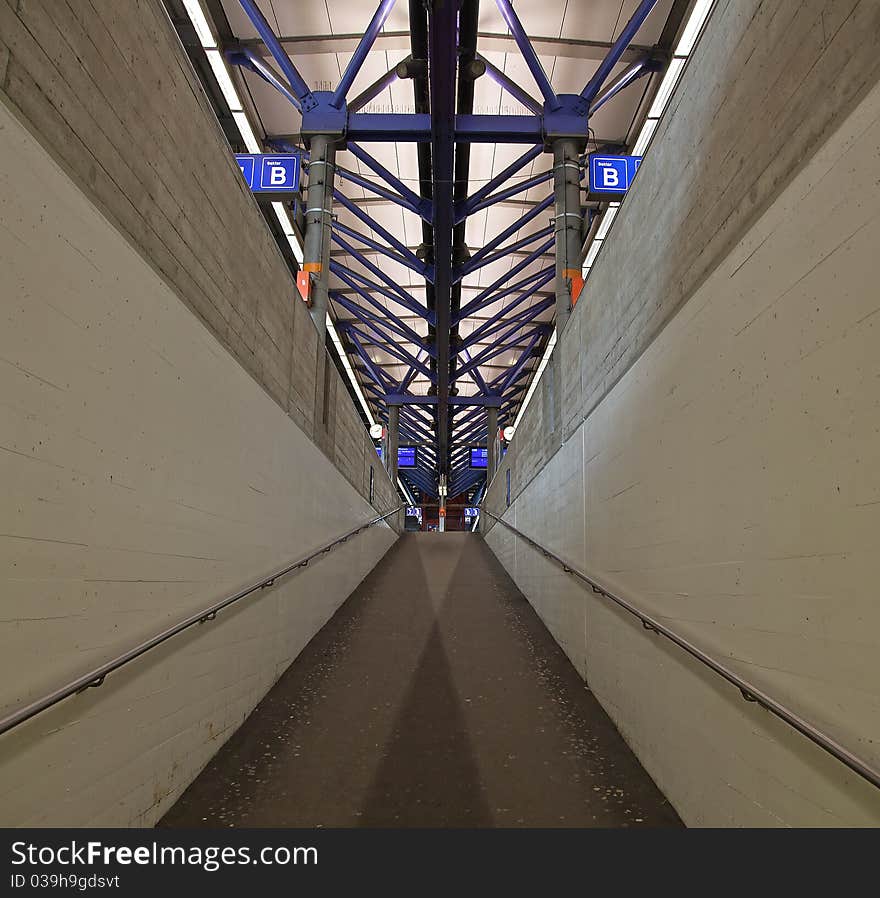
{"x":289,"y":233}
{"x":665,"y":91}
{"x":247,"y":134}
{"x":692,"y":29}
{"x":407,"y":494}
{"x":667,"y":86}
{"x":349,"y":370}
{"x":645,"y":136}
{"x":544,"y":359}
{"x":605,"y":224}
{"x":200,"y":23}
{"x":221,"y":73}
{"x":295,"y":248}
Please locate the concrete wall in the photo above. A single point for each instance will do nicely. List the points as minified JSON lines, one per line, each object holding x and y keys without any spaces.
{"x":110,"y":93}
{"x":719,"y":469}
{"x":152,"y":460}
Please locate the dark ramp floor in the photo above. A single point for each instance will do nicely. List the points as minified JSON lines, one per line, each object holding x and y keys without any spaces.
{"x":434,"y":697}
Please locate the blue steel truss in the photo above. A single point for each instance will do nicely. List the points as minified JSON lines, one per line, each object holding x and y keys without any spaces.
{"x":430,"y":421}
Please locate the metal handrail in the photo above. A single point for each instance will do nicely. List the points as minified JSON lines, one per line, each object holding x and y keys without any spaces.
{"x":750,"y":692}
{"x":96,"y":677}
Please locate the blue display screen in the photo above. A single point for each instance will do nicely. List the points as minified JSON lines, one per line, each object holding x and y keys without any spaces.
{"x":479,"y":458}
{"x":471,"y":512}
{"x":406,"y":457}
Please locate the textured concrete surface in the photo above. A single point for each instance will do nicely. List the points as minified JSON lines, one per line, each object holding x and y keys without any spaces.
{"x":769,"y":82}
{"x":108,"y":91}
{"x":145,"y":476}
{"x":434,"y":697}
{"x":728,"y":483}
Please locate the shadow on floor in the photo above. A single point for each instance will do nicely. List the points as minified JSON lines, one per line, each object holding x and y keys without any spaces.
{"x":434,"y":697}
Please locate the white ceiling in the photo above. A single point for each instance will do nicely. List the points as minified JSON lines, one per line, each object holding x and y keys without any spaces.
{"x":324,"y":33}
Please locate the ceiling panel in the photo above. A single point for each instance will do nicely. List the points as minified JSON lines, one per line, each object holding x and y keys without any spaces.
{"x":569,"y":66}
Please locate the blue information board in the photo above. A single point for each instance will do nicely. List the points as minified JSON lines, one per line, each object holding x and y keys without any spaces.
{"x":471,"y":512}
{"x":612,"y":174}
{"x":406,"y":457}
{"x":479,"y":458}
{"x":278,"y":173}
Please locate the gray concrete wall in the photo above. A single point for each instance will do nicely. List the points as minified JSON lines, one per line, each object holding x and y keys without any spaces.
{"x":769,"y":80}
{"x":162,"y":416}
{"x":109,"y":92}
{"x":717,"y":465}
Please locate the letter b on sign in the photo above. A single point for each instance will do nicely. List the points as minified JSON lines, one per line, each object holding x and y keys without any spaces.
{"x":279,"y":173}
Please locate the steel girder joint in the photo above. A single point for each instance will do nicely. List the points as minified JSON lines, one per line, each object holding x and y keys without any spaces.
{"x":324,"y":118}
{"x":570,"y":121}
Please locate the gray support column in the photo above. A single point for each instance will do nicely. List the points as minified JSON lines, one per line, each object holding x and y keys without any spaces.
{"x":567,"y":195}
{"x":491,"y":443}
{"x":319,"y":205}
{"x":392,"y":442}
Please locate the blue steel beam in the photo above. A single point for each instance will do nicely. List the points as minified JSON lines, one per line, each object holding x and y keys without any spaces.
{"x":360,"y":54}
{"x":367,"y":316}
{"x":370,"y":93}
{"x":380,"y":248}
{"x":481,"y":301}
{"x":519,"y":187}
{"x":551,"y":101}
{"x":515,"y":90}
{"x":354,"y":278}
{"x":417,"y":436}
{"x":500,"y":129}
{"x":490,"y":352}
{"x":625,"y":38}
{"x":403,"y":127}
{"x":636,"y":70}
{"x":475,"y":374}
{"x":465,"y":479}
{"x":517,"y":368}
{"x":379,"y":377}
{"x":392,"y":349}
{"x":393,"y":291}
{"x":342,"y":273}
{"x":501,"y":320}
{"x":298,"y":85}
{"x":247,"y":59}
{"x":516,"y":269}
{"x":390,"y":127}
{"x":409,"y":377}
{"x":391,"y":180}
{"x":381,"y":336}
{"x":407,"y":399}
{"x":420,"y":480}
{"x":442,"y":57}
{"x":477,"y":259}
{"x":414,"y":263}
{"x":417,"y":426}
{"x":462,"y":210}
{"x":506,"y":251}
{"x":378,"y":189}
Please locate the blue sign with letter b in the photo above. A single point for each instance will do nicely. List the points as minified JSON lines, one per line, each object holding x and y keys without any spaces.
{"x":612,"y":174}
{"x":270,"y":174}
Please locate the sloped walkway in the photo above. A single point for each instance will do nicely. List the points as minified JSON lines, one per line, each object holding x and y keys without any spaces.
{"x":434,"y":697}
